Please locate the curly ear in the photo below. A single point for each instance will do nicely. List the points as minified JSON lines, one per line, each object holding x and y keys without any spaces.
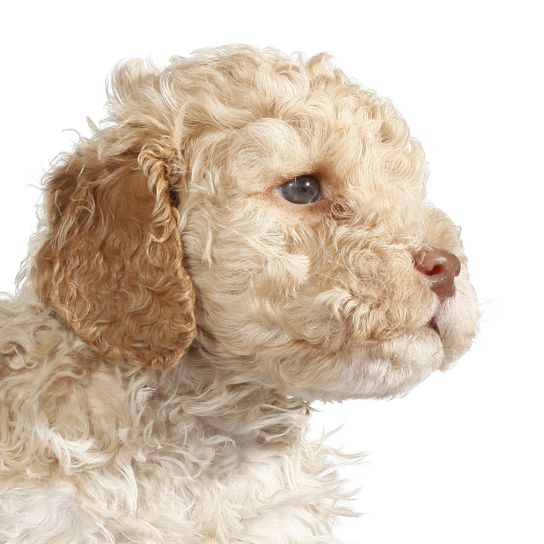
{"x":111,"y":262}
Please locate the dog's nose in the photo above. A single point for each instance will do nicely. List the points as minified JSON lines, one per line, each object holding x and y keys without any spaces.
{"x":441,"y":268}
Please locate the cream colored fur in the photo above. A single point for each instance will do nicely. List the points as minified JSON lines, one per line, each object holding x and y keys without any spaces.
{"x":176,"y":316}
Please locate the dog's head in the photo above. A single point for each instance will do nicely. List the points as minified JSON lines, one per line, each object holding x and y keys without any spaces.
{"x":264,"y":211}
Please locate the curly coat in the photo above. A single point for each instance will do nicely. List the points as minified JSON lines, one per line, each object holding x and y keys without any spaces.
{"x":176,"y":316}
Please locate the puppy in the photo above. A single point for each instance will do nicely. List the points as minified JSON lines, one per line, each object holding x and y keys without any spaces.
{"x":244,"y":234}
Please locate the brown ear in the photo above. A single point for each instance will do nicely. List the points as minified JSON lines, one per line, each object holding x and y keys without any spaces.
{"x":111,"y":262}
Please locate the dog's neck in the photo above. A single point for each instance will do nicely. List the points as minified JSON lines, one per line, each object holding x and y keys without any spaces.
{"x":231,"y":404}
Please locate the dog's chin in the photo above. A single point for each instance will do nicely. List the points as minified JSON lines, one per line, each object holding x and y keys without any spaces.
{"x":381,"y":370}
{"x":389,"y":368}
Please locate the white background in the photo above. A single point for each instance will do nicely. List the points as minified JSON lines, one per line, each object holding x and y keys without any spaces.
{"x":460,"y":459}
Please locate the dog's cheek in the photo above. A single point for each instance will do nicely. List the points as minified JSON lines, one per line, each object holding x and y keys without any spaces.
{"x":337,"y":302}
{"x":376,"y":296}
{"x":282,"y":275}
{"x":243,"y":274}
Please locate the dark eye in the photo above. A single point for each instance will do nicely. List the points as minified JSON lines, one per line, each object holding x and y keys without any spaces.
{"x":301,"y":190}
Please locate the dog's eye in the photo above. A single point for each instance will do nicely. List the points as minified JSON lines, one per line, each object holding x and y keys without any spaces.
{"x":301,"y":190}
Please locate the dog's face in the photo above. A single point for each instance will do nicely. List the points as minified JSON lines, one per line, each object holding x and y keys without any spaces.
{"x":304,"y":255}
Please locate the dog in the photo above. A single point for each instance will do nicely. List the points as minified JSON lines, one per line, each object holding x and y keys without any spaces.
{"x":245,"y":233}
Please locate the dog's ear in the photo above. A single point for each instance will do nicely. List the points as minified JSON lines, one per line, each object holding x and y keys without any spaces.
{"x":111,"y":263}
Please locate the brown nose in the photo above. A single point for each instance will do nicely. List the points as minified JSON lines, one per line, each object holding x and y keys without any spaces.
{"x":441,"y":268}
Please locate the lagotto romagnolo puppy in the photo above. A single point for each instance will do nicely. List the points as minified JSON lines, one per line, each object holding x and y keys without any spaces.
{"x":245,"y":233}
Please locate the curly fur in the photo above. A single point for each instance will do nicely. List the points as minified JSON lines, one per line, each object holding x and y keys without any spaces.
{"x":175,"y":316}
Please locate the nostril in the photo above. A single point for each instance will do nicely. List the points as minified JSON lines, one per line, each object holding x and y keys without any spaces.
{"x":441,"y":267}
{"x":435,"y":270}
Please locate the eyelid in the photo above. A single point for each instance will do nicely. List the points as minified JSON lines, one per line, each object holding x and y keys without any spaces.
{"x":285,"y":181}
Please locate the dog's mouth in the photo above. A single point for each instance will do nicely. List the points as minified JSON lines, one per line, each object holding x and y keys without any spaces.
{"x":432,"y":324}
